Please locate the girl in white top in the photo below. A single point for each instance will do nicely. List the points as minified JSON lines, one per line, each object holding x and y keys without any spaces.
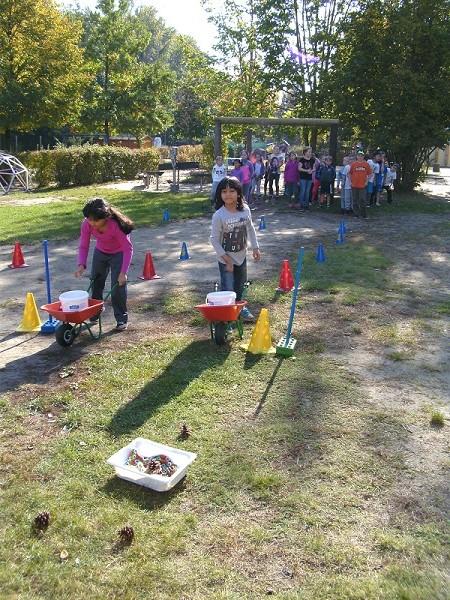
{"x":231,"y":228}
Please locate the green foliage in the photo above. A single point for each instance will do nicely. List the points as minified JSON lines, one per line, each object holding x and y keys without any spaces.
{"x":42,"y":166}
{"x":208,"y":155}
{"x":396,"y":99}
{"x":42,"y":72}
{"x":243,"y":89}
{"x":124,"y":94}
{"x":190,"y":153}
{"x":85,"y":165}
{"x":437,"y":419}
{"x":309,"y":27}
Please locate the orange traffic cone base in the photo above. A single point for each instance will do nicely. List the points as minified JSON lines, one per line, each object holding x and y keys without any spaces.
{"x":286,"y":283}
{"x":149,"y":272}
{"x":18,"y":261}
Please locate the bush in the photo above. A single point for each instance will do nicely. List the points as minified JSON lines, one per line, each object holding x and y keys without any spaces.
{"x":88,"y":164}
{"x":190,"y":153}
{"x":41,"y":166}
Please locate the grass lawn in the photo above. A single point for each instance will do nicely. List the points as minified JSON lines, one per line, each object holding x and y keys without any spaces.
{"x":60,"y":217}
{"x":308,"y":485}
{"x":289,"y":483}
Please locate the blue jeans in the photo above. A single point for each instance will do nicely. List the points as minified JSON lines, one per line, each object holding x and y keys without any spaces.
{"x":233,"y":281}
{"x":304,"y":193}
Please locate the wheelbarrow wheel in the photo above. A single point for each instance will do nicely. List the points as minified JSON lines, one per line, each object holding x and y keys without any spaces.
{"x":220,"y":333}
{"x":65,"y":334}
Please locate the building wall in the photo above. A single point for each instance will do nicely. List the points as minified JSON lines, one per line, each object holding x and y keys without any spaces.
{"x":441,"y":156}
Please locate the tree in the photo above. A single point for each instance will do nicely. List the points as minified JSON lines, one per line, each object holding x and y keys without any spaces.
{"x":245,"y":91}
{"x":298,"y":39}
{"x":125,"y":94}
{"x":41,"y":66}
{"x":392,"y":71}
{"x":199,"y":86}
{"x":198,"y":82}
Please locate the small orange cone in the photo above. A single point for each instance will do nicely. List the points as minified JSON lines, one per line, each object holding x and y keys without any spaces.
{"x":149,"y":269}
{"x":286,"y":283}
{"x":18,"y":261}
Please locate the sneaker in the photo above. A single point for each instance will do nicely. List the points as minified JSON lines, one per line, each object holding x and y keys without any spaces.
{"x":121,"y":326}
{"x":246,"y":315}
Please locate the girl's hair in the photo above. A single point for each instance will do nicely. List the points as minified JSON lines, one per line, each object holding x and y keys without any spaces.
{"x":232,"y":183}
{"x":237,"y":160}
{"x":273,"y":159}
{"x":292,"y":154}
{"x":305,"y":150}
{"x":97,"y":208}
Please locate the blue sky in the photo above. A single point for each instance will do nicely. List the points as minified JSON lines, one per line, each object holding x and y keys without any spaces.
{"x":186,"y":16}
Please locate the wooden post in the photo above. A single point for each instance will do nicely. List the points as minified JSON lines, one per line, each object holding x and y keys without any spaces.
{"x":248,"y":140}
{"x":217,"y":138}
{"x":333,"y":142}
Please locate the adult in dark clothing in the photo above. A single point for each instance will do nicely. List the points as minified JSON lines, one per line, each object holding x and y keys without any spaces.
{"x":305,"y":168}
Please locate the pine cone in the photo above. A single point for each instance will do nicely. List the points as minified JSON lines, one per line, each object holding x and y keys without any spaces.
{"x":185,"y":432}
{"x":126,"y":534}
{"x":153,"y":467}
{"x":42,"y":520}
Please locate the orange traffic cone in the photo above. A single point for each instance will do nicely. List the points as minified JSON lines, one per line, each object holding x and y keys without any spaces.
{"x":18,"y":261}
{"x":149,"y":269}
{"x":286,"y":283}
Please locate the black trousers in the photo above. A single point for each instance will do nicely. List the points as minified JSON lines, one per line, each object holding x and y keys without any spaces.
{"x":274,"y":177}
{"x":101,"y":265}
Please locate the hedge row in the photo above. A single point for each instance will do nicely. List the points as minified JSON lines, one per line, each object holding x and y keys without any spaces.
{"x":202,"y":153}
{"x":85,"y":165}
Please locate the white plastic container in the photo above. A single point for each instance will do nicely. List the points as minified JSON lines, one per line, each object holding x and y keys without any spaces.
{"x":148,"y":448}
{"x":221,"y":298}
{"x":74,"y":300}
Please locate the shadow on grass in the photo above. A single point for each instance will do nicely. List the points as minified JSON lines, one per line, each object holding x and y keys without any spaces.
{"x":38,"y":367}
{"x":145,"y":498}
{"x":268,"y":386}
{"x":187,"y":366}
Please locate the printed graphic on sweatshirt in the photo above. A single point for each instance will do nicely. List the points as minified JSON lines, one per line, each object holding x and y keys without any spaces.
{"x":235,"y":235}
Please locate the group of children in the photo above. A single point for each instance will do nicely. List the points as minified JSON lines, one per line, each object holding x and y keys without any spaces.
{"x":308,"y":179}
{"x":361,"y":182}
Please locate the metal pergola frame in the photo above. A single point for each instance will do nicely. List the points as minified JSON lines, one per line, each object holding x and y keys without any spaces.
{"x":12,"y":171}
{"x":331,"y":124}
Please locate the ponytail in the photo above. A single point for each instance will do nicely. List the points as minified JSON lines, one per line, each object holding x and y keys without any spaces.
{"x":125,"y":224}
{"x":100,"y":209}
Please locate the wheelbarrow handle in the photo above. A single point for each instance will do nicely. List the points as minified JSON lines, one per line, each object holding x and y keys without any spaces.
{"x":108,"y":294}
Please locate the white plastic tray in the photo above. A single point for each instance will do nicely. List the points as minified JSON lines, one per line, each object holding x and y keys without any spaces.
{"x":145,"y":447}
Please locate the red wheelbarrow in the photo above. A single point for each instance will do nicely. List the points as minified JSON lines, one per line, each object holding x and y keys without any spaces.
{"x":74,"y":322}
{"x":220,"y":318}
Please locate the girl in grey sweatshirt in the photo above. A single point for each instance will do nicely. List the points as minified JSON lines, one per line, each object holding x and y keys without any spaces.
{"x":231,"y":229}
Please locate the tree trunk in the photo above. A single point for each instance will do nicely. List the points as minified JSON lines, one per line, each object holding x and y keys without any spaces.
{"x":8,"y":138}
{"x":106,"y":136}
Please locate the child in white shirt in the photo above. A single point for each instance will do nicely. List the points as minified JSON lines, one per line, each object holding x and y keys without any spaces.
{"x":219,"y":171}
